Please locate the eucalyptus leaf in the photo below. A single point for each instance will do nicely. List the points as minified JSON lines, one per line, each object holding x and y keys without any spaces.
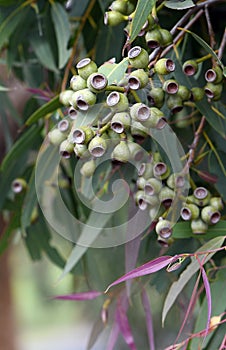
{"x":216,"y":168}
{"x":142,"y":11}
{"x":114,"y":71}
{"x":41,"y":112}
{"x":179,"y":4}
{"x":62,"y":30}
{"x":29,"y":204}
{"x":182,"y":230}
{"x":188,"y":273}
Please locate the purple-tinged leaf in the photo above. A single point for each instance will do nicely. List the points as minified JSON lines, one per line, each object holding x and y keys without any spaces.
{"x":190,"y":306}
{"x":79,"y":296}
{"x":223,"y":344}
{"x":206,"y":176}
{"x":113,"y":336}
{"x":124,"y":326}
{"x":208,"y":298}
{"x":146,"y":269}
{"x":149,"y":321}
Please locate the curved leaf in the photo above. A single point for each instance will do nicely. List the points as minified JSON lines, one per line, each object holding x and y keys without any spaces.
{"x":142,"y":11}
{"x":48,"y":107}
{"x":187,"y":274}
{"x":179,"y":5}
{"x":93,"y":294}
{"x":62,"y":30}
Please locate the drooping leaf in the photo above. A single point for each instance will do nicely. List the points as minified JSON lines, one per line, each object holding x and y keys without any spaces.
{"x":187,"y":274}
{"x":146,"y":269}
{"x":114,"y":71}
{"x":124,"y":326}
{"x":62,"y":30}
{"x":29,"y":204}
{"x":218,"y":305}
{"x":205,"y":46}
{"x":179,"y":5}
{"x":142,"y":11}
{"x":10,"y":23}
{"x":96,"y":331}
{"x":149,"y":320}
{"x":208,"y":298}
{"x":41,"y":112}
{"x":90,"y":295}
{"x":113,"y":336}
{"x":215,"y":166}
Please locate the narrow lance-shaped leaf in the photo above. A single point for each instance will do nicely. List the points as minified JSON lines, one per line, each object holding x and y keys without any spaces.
{"x":97,"y":329}
{"x":124,"y":326}
{"x":142,"y":11}
{"x":208,"y":297}
{"x":187,"y":274}
{"x":41,"y":112}
{"x":93,"y":294}
{"x":149,"y":321}
{"x":179,"y":5}
{"x":146,"y":269}
{"x":113,"y":336}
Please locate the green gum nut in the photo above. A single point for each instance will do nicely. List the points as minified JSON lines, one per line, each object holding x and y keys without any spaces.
{"x":145,"y":170}
{"x":139,"y":198}
{"x":114,"y":18}
{"x":138,"y":130}
{"x":141,"y":181}
{"x":167,"y":37}
{"x":201,"y":196}
{"x":217,"y":203}
{"x":85,"y":99}
{"x":161,"y":170}
{"x":77,"y":83}
{"x":156,"y":97}
{"x":166,"y":196}
{"x":164,"y":66}
{"x":153,"y":38}
{"x":138,"y":79}
{"x":163,"y":228}
{"x":210,"y":215}
{"x":117,"y":101}
{"x":184,"y":93}
{"x":97,"y":146}
{"x":114,"y":137}
{"x":190,"y":67}
{"x":214,"y":75}
{"x":120,"y":122}
{"x":189,"y":212}
{"x":119,"y":6}
{"x":137,"y":152}
{"x":213,"y":91}
{"x":174,"y":103}
{"x":88,"y":168}
{"x":198,"y":227}
{"x":197,"y":94}
{"x":152,"y":201}
{"x":82,"y":135}
{"x":175,"y":180}
{"x":139,"y":112}
{"x":18,"y":185}
{"x":156,"y":119}
{"x":55,"y":137}
{"x":65,"y":97}
{"x":86,"y":67}
{"x":138,"y":57}
{"x":81,"y":150}
{"x":152,"y":187}
{"x":121,"y":152}
{"x":66,"y":149}
{"x":97,"y":82}
{"x":170,"y":86}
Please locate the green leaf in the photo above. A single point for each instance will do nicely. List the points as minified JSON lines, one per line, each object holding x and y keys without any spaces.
{"x":217,"y":169}
{"x":30,"y":202}
{"x":182,"y":230}
{"x":218,"y":307}
{"x":206,"y":47}
{"x":62,"y":30}
{"x":114,"y":71}
{"x":8,"y":26}
{"x":47,"y":108}
{"x":179,"y":5}
{"x":142,"y":11}
{"x":188,"y":273}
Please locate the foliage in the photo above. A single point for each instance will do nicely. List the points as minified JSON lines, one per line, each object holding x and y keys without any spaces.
{"x":146,"y":185}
